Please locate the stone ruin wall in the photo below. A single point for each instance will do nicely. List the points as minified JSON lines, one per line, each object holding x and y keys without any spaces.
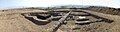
{"x":106,"y":10}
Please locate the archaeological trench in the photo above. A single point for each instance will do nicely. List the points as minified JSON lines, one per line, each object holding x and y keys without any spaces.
{"x":90,"y":19}
{"x":68,"y":21}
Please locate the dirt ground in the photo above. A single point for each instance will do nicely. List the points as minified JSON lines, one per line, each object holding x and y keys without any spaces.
{"x":115,"y":26}
{"x":13,"y":21}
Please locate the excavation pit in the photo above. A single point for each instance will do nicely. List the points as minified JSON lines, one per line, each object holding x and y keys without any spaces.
{"x":43,"y":17}
{"x":82,"y":19}
{"x":38,"y":18}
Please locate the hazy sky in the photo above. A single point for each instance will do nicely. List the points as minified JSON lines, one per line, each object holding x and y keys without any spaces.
{"x":45,"y":3}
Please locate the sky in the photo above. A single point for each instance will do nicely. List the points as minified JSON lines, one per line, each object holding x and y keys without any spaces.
{"x":46,"y":3}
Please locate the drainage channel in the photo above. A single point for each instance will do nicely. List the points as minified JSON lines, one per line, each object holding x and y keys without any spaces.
{"x":62,"y":21}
